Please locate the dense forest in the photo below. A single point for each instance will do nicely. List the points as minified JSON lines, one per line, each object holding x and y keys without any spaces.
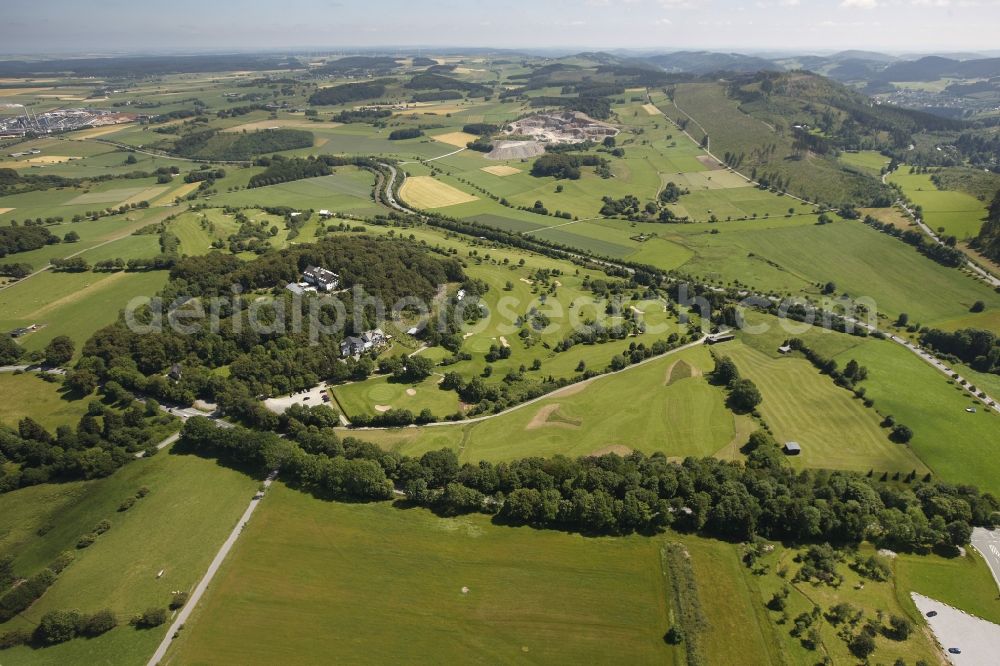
{"x":976,"y":347}
{"x":11,"y":182}
{"x":427,"y":81}
{"x":238,"y":146}
{"x":348,"y":92}
{"x":104,"y":439}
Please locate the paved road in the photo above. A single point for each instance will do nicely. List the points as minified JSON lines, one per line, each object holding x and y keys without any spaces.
{"x":987,"y":542}
{"x":32,"y":368}
{"x":978,"y":640}
{"x":213,"y":568}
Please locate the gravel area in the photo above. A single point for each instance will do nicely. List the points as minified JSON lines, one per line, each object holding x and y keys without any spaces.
{"x":978,"y":640}
{"x":310,"y":398}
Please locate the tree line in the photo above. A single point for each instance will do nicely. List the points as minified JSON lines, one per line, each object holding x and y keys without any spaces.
{"x":611,"y":494}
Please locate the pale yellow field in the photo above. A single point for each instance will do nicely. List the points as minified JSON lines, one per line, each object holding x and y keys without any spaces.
{"x":319,"y":141}
{"x":426,"y":192}
{"x":287,"y":123}
{"x":182,"y":191}
{"x":99,"y":131}
{"x":63,"y":97}
{"x":457,"y":139}
{"x":6,"y":210}
{"x":45,"y":159}
{"x":12,"y":92}
{"x":440,"y":109}
{"x":651,"y":109}
{"x":147,"y":194}
{"x":501,"y":170}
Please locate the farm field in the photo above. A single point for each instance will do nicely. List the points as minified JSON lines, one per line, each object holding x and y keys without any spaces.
{"x":833,"y":427}
{"x":796,"y":258}
{"x":345,"y":578}
{"x":665,"y":405}
{"x":73,"y":304}
{"x":349,"y":190}
{"x":119,"y":571}
{"x":960,"y":214}
{"x":426,"y":192}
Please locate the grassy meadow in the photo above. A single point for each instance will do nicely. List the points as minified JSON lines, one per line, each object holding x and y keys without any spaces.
{"x":192,"y":505}
{"x":959,"y":214}
{"x":350,"y":571}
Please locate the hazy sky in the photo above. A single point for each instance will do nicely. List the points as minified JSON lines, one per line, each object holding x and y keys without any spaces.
{"x":33,"y":26}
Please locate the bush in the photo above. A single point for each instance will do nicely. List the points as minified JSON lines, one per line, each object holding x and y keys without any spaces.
{"x":86,"y":541}
{"x":57,"y":627}
{"x":99,"y":623}
{"x":14,"y":638}
{"x":151,"y":617}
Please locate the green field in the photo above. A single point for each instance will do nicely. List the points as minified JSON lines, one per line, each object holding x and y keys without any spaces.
{"x":349,"y":572}
{"x":192,"y":505}
{"x":959,"y":214}
{"x":868,"y":161}
{"x":833,"y":427}
{"x":349,"y":190}
{"x":957,"y":446}
{"x":953,"y":444}
{"x":73,"y":304}
{"x":649,"y":412}
{"x":42,"y":400}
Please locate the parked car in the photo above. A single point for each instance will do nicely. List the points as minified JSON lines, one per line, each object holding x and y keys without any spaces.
{"x":954,"y":651}
{"x":932,"y":614}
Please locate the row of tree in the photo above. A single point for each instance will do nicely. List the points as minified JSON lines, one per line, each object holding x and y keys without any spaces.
{"x":611,"y":494}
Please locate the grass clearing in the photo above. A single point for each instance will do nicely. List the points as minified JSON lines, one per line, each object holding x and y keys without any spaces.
{"x":42,"y":400}
{"x":351,"y":570}
{"x":428,"y":192}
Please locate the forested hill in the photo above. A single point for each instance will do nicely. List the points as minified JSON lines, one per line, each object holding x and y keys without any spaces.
{"x":988,"y":241}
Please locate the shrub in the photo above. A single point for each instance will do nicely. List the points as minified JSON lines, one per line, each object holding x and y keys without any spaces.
{"x":57,"y":627}
{"x":99,"y":623}
{"x":149,"y":618}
